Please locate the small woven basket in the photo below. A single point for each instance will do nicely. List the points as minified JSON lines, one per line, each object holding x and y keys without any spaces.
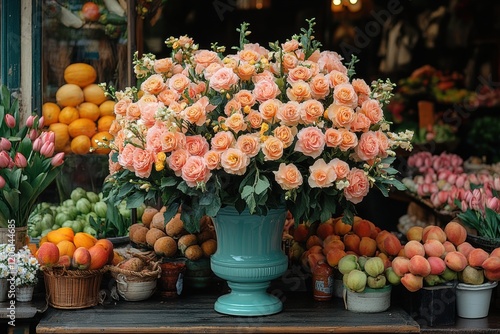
{"x":72,"y":289}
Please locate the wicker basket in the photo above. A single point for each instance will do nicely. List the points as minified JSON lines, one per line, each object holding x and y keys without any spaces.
{"x":72,"y":289}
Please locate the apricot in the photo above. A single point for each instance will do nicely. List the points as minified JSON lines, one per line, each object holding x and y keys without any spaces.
{"x":313,"y":240}
{"x":412,"y":282}
{"x":392,"y":245}
{"x":367,"y":246}
{"x":334,"y":255}
{"x":448,"y":247}
{"x":362,"y":228}
{"x":108,"y":247}
{"x":330,"y":238}
{"x":465,"y":248}
{"x":455,"y":232}
{"x":333,"y":244}
{"x":316,"y":249}
{"x":48,"y":254}
{"x":351,"y":242}
{"x":433,"y":232}
{"x":301,"y":233}
{"x":495,"y":252}
{"x":380,"y":240}
{"x":434,"y":247}
{"x":476,"y":257}
{"x":419,"y":266}
{"x":400,"y":265}
{"x":414,"y":233}
{"x":492,"y":275}
{"x":324,"y":230}
{"x":81,"y":258}
{"x":412,"y":248}
{"x":491,"y":264}
{"x":341,"y":228}
{"x":438,"y":266}
{"x":456,"y":261}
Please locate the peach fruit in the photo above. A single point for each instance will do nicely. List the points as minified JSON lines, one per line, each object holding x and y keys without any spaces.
{"x":334,"y":255}
{"x":434,"y":247}
{"x":324,"y":230}
{"x":414,"y":233}
{"x":476,"y":257}
{"x":99,"y":257}
{"x":419,"y":266}
{"x":392,"y":245}
{"x":48,"y":254}
{"x":449,"y":247}
{"x":465,"y":248}
{"x":362,"y":228}
{"x":433,"y":232}
{"x":81,"y":258}
{"x":367,"y":246}
{"x":438,"y":266}
{"x":400,"y":265}
{"x":456,"y":261}
{"x":352,"y":241}
{"x":455,"y":232}
{"x":412,"y":248}
{"x":412,"y":282}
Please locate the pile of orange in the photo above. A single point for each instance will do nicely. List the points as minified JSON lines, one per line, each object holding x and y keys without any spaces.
{"x":82,"y":115}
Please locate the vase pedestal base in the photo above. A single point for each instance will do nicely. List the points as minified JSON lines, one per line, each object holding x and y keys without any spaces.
{"x":248,"y":299}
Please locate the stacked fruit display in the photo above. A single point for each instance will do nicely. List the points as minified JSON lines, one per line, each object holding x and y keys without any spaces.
{"x":170,"y":239}
{"x":82,"y":115}
{"x":75,"y":251}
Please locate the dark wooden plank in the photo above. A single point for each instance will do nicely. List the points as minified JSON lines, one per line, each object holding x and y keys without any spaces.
{"x":195,"y":314}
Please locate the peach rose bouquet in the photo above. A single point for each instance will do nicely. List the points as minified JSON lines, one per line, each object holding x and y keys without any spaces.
{"x":255,"y":129}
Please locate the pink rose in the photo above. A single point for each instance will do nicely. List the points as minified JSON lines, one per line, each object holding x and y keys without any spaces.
{"x":249,"y":144}
{"x":361,"y":123}
{"x":206,"y":57}
{"x":311,"y":111}
{"x":310,"y":141}
{"x":340,"y":167}
{"x":289,"y":61}
{"x":211,"y":69}
{"x":290,"y":46}
{"x":196,"y":145}
{"x":272,"y":148}
{"x":143,"y":161}
{"x":195,"y":114}
{"x":222,"y":141}
{"x":361,"y":87}
{"x":330,"y":61}
{"x":163,"y":65}
{"x":148,"y":112}
{"x":245,"y":71}
{"x":176,"y":160}
{"x":154,"y":138}
{"x":195,"y":171}
{"x":167,"y":96}
{"x":248,"y":55}
{"x":359,"y":185}
{"x":120,"y":107}
{"x":288,"y":176}
{"x":322,"y":175}
{"x":264,"y":75}
{"x":289,"y":113}
{"x":345,"y":95}
{"x":133,"y":111}
{"x":223,"y":79}
{"x":383,"y":144}
{"x":171,"y":141}
{"x":372,"y":110}
{"x":265,"y":90}
{"x":212,"y":159}
{"x":234,"y":161}
{"x":368,"y":146}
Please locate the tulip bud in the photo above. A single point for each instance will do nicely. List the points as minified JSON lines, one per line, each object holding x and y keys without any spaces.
{"x":10,"y":120}
{"x":30,"y":121}
{"x":5,"y":144}
{"x":33,"y":134}
{"x":20,"y":160}
{"x":47,"y":149}
{"x":37,"y":145}
{"x":2,"y":182}
{"x":4,"y":159}
{"x":58,"y":159}
{"x":41,"y":122}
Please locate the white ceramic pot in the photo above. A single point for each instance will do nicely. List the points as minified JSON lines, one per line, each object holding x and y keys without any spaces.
{"x":473,"y":301}
{"x":24,"y":293}
{"x":134,"y":290}
{"x":368,"y":301}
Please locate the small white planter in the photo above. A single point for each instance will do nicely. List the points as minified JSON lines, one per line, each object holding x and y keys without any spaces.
{"x":368,"y":301}
{"x":24,"y":293}
{"x":473,"y":301}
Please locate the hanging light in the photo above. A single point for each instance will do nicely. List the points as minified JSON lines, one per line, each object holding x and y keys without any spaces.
{"x":350,"y":5}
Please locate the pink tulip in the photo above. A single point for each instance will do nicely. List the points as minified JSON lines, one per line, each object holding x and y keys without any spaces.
{"x":33,"y":134}
{"x":5,"y":144}
{"x":2,"y":182}
{"x":37,"y":145}
{"x":30,"y":121}
{"x":58,"y":159}
{"x":47,"y":149}
{"x":493,"y":203}
{"x":10,"y":121}
{"x":40,"y":122}
{"x":4,"y":159}
{"x":496,"y":183}
{"x":20,"y":160}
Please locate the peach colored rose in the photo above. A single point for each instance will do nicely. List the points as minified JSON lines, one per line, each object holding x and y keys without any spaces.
{"x":148,"y":112}
{"x":143,"y":161}
{"x":299,"y":91}
{"x":195,"y":114}
{"x":171,"y":141}
{"x":133,"y":111}
{"x":333,"y":137}
{"x":231,"y":106}
{"x":340,"y":167}
{"x":176,"y":107}
{"x":248,"y":55}
{"x":290,"y":46}
{"x":248,"y":144}
{"x":359,"y":186}
{"x":299,"y":73}
{"x":340,"y":115}
{"x":272,"y":148}
{"x":254,"y":118}
{"x":163,"y":65}
{"x":147,"y":98}
{"x":368,"y":146}
{"x":383,"y":144}
{"x":114,"y":167}
{"x":289,"y":113}
{"x":154,"y":138}
{"x":264,"y":75}
{"x":114,"y":128}
{"x":212,"y":159}
{"x":310,"y":141}
{"x":154,"y":84}
{"x":166,"y":96}
{"x":349,"y":140}
{"x":121,"y":107}
{"x":361,"y":123}
{"x":236,"y":122}
{"x":371,"y":108}
{"x":177,"y":68}
{"x":234,"y":161}
{"x":222,"y":141}
{"x":178,"y":82}
{"x":195,"y":171}
{"x":311,"y":111}
{"x":268,"y":109}
{"x":176,"y":160}
{"x":245,"y":98}
{"x":288,"y":176}
{"x":196,"y":145}
{"x":320,"y":86}
{"x":285,"y":134}
{"x":329,"y":61}
{"x":314,"y":57}
{"x":289,"y":61}
{"x":362,"y":98}
{"x":337,"y":78}
{"x":361,"y":87}
{"x":185,"y":41}
{"x":345,"y":95}
{"x":231,"y":62}
{"x":211,"y":69}
{"x":245,"y":71}
{"x":265,"y":90}
{"x":126,"y":157}
{"x":206,"y":57}
{"x":223,"y":79}
{"x":322,"y":175}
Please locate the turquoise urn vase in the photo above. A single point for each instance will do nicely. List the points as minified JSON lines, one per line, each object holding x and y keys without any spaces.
{"x":249,"y":256}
